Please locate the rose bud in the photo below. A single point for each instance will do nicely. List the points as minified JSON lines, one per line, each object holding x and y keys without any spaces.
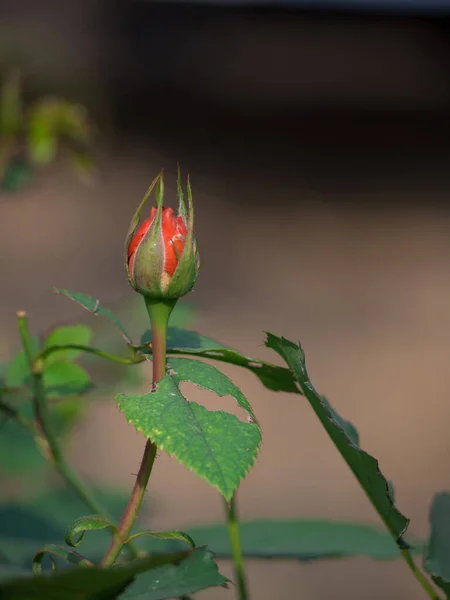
{"x":162,"y":257}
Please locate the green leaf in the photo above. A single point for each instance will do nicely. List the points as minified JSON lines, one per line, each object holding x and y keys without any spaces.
{"x":363,"y":465}
{"x":182,"y":341}
{"x":195,"y":573}
{"x":53,"y":551}
{"x":437,"y":554}
{"x":26,"y":525}
{"x":65,"y":379}
{"x":94,"y":306}
{"x":18,"y":372}
{"x":88,"y":584}
{"x":68,"y":334}
{"x":217,"y":446}
{"x":209,"y":378}
{"x":164,"y":535}
{"x":18,"y":451}
{"x":42,"y":141}
{"x":300,"y":539}
{"x":75,"y":532}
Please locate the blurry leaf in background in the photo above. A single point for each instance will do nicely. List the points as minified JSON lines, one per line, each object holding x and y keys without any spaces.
{"x":67,"y":334}
{"x":18,"y":372}
{"x":437,"y":555}
{"x":18,"y":451}
{"x":27,"y":524}
{"x":17,"y":173}
{"x":10,"y":106}
{"x":301,"y":539}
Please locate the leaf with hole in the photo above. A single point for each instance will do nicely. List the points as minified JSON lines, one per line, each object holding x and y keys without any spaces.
{"x":182,"y":341}
{"x":217,"y":446}
{"x":363,"y":465}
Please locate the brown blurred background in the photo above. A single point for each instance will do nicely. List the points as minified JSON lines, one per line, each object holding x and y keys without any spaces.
{"x":319,"y":148}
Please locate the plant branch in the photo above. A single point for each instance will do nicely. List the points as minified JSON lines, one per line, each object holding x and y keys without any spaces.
{"x":159,"y":314}
{"x":424,"y":582}
{"x":236,"y":548}
{"x":117,"y":359}
{"x":45,"y":428}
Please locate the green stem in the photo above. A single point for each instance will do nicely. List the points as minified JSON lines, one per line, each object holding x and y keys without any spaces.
{"x":159,"y":313}
{"x":424,"y":582}
{"x":44,"y":425}
{"x":236,"y":548}
{"x":117,"y":359}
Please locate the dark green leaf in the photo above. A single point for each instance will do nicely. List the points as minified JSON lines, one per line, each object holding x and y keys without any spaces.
{"x":87,"y":584}
{"x":18,"y":451}
{"x":52,"y":552}
{"x":364,"y":466}
{"x":65,"y":379}
{"x":209,"y":378}
{"x":68,"y":334}
{"x":437,"y":555}
{"x":215,"y":445}
{"x":94,"y":306}
{"x":195,"y":573}
{"x":301,"y":539}
{"x":182,"y":341}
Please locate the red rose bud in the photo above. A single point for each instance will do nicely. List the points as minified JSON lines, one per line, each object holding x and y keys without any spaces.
{"x":162,"y":257}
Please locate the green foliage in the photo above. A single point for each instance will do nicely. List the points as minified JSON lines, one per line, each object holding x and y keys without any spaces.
{"x":364,"y":467}
{"x":437,"y":555}
{"x":167,"y":574}
{"x":198,"y":571}
{"x":300,"y":539}
{"x":94,"y":306}
{"x":76,"y":530}
{"x":182,"y":341}
{"x":68,"y":334}
{"x":217,"y":446}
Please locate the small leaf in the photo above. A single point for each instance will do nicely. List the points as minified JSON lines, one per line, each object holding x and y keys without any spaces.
{"x":437,"y":555}
{"x":195,"y":573}
{"x":52,"y":551}
{"x":94,"y":306}
{"x":363,"y":465}
{"x":182,"y":341}
{"x":75,"y":532}
{"x":68,"y":334}
{"x":217,"y":446}
{"x":164,"y":535}
{"x":42,"y":141}
{"x":300,"y":539}
{"x":209,"y":378}
{"x":196,"y":569}
{"x":65,"y":379}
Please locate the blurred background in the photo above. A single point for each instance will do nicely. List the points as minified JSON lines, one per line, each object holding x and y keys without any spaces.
{"x":317,"y":138}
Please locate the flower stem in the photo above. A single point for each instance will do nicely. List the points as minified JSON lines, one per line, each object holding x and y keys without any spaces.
{"x":159,"y":314}
{"x":426,"y":585}
{"x":43,"y":423}
{"x":236,"y":548}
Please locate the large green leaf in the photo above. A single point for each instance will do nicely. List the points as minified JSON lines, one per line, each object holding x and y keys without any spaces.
{"x":94,"y":306}
{"x":67,"y":334}
{"x":301,"y":539}
{"x":437,"y":555}
{"x":182,"y":341}
{"x":95,"y":583}
{"x":217,"y":446}
{"x":195,"y":573}
{"x":364,"y":466}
